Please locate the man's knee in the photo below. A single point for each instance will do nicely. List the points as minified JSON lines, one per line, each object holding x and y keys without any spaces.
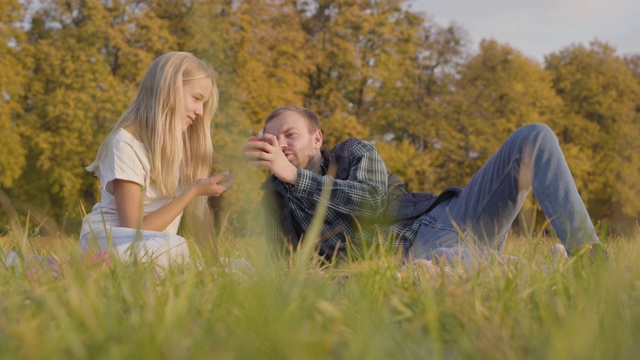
{"x":537,"y":131}
{"x":534,"y":136}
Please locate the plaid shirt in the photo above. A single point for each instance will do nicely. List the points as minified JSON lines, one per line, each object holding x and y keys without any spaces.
{"x":356,"y":203}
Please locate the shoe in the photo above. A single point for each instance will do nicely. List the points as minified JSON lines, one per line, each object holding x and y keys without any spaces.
{"x":592,"y":253}
{"x":558,"y":253}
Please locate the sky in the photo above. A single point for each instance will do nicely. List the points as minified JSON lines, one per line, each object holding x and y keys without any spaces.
{"x":540,"y":27}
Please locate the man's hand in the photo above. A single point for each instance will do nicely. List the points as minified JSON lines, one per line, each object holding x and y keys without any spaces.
{"x":267,"y":153}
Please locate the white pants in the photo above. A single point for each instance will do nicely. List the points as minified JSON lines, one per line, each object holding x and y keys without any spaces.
{"x":162,"y":248}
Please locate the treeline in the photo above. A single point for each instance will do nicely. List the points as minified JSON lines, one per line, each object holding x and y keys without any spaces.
{"x":377,"y":70}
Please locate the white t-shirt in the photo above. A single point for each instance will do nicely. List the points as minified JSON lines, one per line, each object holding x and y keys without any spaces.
{"x":125,"y":160}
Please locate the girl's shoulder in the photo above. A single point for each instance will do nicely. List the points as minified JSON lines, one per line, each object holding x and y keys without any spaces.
{"x":123,"y":142}
{"x":125,"y":138}
{"x":124,"y":135}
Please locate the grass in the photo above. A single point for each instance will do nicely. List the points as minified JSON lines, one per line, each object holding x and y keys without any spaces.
{"x":368,"y":309}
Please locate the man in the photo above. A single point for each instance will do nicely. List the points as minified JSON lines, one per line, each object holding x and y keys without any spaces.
{"x":367,"y":202}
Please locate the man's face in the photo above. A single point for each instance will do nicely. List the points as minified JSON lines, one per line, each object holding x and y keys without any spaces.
{"x":294,"y":138}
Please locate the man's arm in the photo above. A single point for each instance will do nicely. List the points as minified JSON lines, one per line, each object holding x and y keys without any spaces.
{"x":363,"y":193}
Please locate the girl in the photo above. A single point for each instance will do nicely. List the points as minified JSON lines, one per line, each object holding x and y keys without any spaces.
{"x":155,"y":162}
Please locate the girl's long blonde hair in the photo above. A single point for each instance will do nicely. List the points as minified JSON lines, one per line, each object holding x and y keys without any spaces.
{"x":156,"y":118}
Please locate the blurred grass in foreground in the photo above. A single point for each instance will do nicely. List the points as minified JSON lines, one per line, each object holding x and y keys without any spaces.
{"x":369,"y":309}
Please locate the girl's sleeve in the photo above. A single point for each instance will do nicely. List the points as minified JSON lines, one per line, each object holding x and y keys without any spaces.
{"x":123,"y":162}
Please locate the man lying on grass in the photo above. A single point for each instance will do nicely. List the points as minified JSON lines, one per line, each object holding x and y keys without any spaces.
{"x":458,"y":225}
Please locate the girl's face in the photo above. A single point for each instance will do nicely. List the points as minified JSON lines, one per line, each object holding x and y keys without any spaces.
{"x":196,"y":92}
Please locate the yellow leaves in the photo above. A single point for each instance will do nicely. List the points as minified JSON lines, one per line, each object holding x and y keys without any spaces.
{"x":340,"y":126}
{"x":12,"y":79}
{"x":413,"y":167}
{"x":82,"y":74}
{"x":498,"y":91}
{"x":368,"y":68}
{"x":11,"y":152}
{"x":601,"y":94}
{"x":266,"y":44}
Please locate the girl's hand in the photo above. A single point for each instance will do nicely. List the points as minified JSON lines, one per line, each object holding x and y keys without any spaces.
{"x":214,"y":185}
{"x":228,"y":178}
{"x":128,"y":197}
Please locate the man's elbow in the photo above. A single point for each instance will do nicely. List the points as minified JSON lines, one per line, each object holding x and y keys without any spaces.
{"x":375,"y":206}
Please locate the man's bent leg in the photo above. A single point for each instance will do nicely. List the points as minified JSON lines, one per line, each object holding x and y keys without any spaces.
{"x":530,"y":158}
{"x":438,"y":239}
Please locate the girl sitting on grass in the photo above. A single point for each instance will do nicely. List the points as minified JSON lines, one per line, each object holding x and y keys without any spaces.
{"x":155,"y":162}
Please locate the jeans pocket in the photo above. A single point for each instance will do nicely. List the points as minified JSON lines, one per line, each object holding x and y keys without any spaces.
{"x":433,"y":234}
{"x":441,"y":243}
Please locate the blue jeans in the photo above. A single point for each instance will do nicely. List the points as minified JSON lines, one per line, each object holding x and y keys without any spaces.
{"x":478,"y":220}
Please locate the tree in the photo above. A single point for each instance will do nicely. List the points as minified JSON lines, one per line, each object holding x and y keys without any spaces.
{"x":414,"y":167}
{"x":419,"y":75}
{"x":498,"y":91}
{"x":12,"y":78}
{"x":86,"y":59}
{"x":598,"y":87}
{"x":351,"y":40}
{"x":633,"y":63}
{"x":268,"y":51}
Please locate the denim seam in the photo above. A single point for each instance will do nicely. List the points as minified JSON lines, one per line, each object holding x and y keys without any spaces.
{"x":495,"y":189}
{"x":559,"y":229}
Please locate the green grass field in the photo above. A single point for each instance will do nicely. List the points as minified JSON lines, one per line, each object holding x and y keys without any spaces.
{"x":366,"y":309}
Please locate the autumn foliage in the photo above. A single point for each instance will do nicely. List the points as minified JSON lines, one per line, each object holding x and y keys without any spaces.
{"x":435,"y":107}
